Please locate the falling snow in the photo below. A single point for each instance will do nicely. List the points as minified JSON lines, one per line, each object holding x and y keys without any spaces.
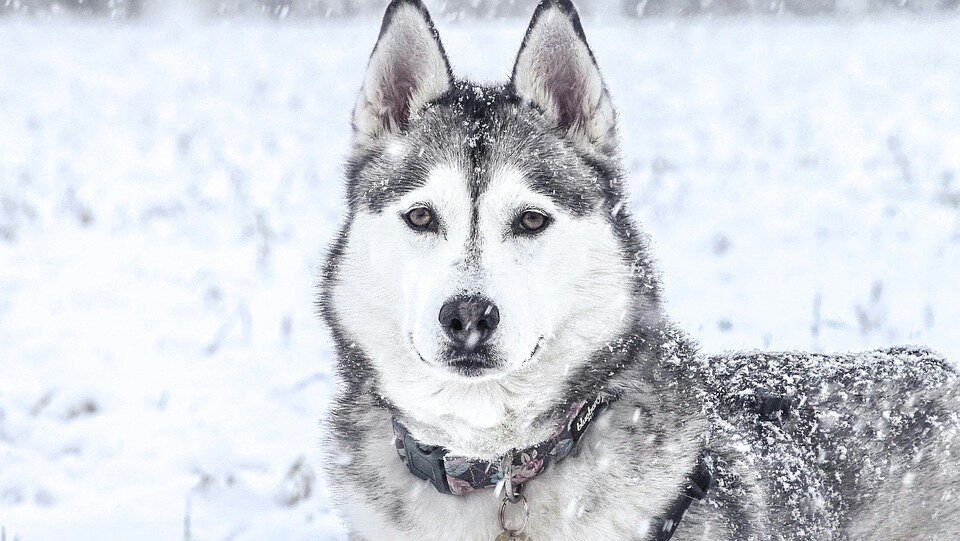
{"x":166,"y":193}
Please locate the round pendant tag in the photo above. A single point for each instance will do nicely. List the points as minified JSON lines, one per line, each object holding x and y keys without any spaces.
{"x":513,"y":529}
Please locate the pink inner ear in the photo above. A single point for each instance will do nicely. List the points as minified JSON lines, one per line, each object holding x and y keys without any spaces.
{"x":566,"y":87}
{"x":398,"y":86}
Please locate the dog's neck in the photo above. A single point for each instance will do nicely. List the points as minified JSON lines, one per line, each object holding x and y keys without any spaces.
{"x":490,"y":418}
{"x":481,"y":420}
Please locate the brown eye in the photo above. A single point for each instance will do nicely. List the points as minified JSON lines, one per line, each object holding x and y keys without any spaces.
{"x":532,"y":221}
{"x":421,"y":219}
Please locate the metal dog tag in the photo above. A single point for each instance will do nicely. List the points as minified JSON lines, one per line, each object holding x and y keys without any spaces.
{"x":510,"y":533}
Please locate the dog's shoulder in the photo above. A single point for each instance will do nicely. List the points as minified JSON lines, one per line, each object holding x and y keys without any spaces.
{"x":813,"y":433}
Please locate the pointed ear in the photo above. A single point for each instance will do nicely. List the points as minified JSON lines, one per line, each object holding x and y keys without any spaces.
{"x":555,"y":70}
{"x":408,"y":68}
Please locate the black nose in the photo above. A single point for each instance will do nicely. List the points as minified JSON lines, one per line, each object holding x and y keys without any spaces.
{"x":469,"y":321}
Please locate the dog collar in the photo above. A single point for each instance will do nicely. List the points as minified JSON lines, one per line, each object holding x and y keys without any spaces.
{"x":451,"y":474}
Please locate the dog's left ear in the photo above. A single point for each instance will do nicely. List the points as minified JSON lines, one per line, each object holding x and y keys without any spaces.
{"x":556,"y":71}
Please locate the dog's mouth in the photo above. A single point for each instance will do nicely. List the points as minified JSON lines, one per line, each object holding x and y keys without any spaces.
{"x":475,"y":364}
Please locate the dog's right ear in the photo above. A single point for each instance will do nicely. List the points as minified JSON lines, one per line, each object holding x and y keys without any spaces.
{"x":408,"y":68}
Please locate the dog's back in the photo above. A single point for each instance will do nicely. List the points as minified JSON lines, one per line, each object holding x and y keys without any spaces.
{"x":859,"y":446}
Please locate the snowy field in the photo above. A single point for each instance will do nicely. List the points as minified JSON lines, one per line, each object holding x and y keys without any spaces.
{"x":167,"y":192}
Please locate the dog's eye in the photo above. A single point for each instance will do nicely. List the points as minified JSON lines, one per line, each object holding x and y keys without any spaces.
{"x":531,"y":221}
{"x":421,"y":219}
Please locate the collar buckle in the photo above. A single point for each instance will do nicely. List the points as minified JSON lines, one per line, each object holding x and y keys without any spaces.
{"x":423,"y":461}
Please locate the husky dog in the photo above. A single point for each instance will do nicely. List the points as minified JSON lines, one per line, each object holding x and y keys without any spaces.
{"x":507,"y":368}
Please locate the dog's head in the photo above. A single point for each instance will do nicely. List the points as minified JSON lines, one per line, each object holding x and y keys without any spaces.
{"x":487,"y":245}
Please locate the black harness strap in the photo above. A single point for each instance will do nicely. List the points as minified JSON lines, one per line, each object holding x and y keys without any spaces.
{"x":699,"y":484}
{"x":771,"y":408}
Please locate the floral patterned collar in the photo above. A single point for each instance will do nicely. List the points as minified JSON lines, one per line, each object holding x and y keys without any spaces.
{"x":458,"y":475}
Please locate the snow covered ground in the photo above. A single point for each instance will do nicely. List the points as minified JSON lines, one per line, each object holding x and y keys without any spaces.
{"x":167,"y":191}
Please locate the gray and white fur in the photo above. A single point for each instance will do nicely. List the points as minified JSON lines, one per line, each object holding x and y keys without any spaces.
{"x":488,"y":275}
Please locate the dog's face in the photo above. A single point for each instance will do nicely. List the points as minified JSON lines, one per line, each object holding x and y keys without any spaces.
{"x":483,"y":239}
